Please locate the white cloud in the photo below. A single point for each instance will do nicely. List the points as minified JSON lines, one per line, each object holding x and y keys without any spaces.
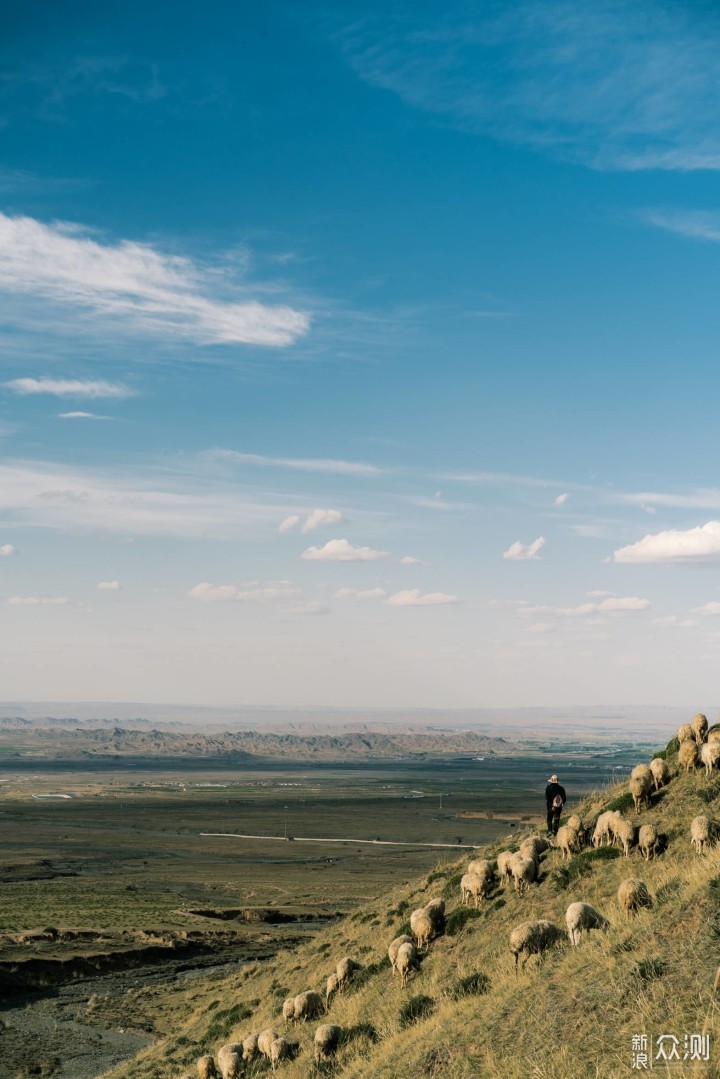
{"x":7,"y":549}
{"x":599,"y":593}
{"x":137,"y":286}
{"x":341,"y":550}
{"x":648,"y":509}
{"x":542,"y":627}
{"x":695,"y":546}
{"x":520,"y":552}
{"x":298,"y":464}
{"x":109,"y":586}
{"x":272,"y":592}
{"x":713,"y":607}
{"x":81,"y":416}
{"x":409,"y":560}
{"x":611,"y":605}
{"x":362,"y":593}
{"x":623,"y":603}
{"x":413,"y":597}
{"x":38,"y":601}
{"x":561,"y":499}
{"x":318,"y":518}
{"x":68,"y":387}
{"x":289,"y":523}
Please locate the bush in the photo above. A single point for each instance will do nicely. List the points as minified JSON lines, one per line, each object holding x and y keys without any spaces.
{"x":648,"y":970}
{"x":625,"y":801}
{"x":457,"y":919}
{"x":474,"y":985}
{"x":224,"y":1021}
{"x":452,"y":885}
{"x":362,"y":977}
{"x":360,"y":1030}
{"x":670,"y":749}
{"x":438,"y":874}
{"x":416,"y":1009}
{"x":581,"y":866}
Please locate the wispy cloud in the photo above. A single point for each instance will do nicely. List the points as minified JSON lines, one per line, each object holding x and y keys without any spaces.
{"x":314,"y":520}
{"x":413,"y":597}
{"x":108,"y":586}
{"x":69,"y":387}
{"x":561,"y":499}
{"x":694,"y":224}
{"x":360,"y":593}
{"x":521,"y":552}
{"x":270,"y":593}
{"x":693,"y":546}
{"x":614,"y":85}
{"x":610,"y":605}
{"x":341,"y":550}
{"x":7,"y":550}
{"x":328,"y":465}
{"x":82,"y":416}
{"x":137,"y":286}
{"x":38,"y":601}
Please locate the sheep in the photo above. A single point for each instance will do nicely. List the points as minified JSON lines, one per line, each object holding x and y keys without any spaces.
{"x":345,"y":970}
{"x":648,"y":841}
{"x":568,"y":841}
{"x":206,"y":1067}
{"x":436,"y":910}
{"x":533,"y":938}
{"x":615,"y":818}
{"x":307,"y":1005}
{"x":533,"y":847}
{"x":640,"y":790}
{"x":288,"y":1010}
{"x":687,"y":756}
{"x":281,"y":1049}
{"x":581,"y":916}
{"x":633,"y":894}
{"x":332,"y":986}
{"x":601,"y":835}
{"x":701,"y":832}
{"x":685,"y":733}
{"x":714,"y":734}
{"x":250,"y":1048}
{"x":624,"y":831}
{"x":229,"y":1060}
{"x":504,"y":859}
{"x":407,"y":961}
{"x":472,"y":887}
{"x":327,"y":1040}
{"x":524,"y":872}
{"x":394,"y":949}
{"x":699,"y":728}
{"x":641,"y":770}
{"x":576,"y":824}
{"x":421,"y":927}
{"x":710,"y":756}
{"x":660,"y":772}
{"x":265,"y":1040}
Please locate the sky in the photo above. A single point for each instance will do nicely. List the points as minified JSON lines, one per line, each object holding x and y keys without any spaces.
{"x":360,"y":354}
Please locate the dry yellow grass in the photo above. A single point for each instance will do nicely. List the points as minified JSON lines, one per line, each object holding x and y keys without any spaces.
{"x":569,"y":1016}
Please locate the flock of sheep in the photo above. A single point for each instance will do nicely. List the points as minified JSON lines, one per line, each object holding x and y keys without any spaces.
{"x":519,"y":869}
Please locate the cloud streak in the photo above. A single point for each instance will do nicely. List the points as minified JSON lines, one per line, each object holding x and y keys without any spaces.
{"x":69,"y":387}
{"x":693,"y":546}
{"x":521,"y":552}
{"x":341,"y":550}
{"x":328,"y":465}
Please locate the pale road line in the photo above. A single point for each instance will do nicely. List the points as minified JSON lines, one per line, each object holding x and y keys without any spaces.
{"x":371,"y":842}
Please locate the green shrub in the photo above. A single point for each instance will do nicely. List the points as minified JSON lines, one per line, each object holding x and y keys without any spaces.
{"x":625,"y":801}
{"x":452,"y":885}
{"x":581,"y":865}
{"x":415,"y":1009}
{"x":671,"y":748}
{"x":359,"y":1030}
{"x":457,"y":919}
{"x":362,"y":977}
{"x":223,"y":1021}
{"x":473,"y":985}
{"x":438,"y":874}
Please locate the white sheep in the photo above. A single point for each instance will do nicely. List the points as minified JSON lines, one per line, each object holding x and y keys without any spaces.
{"x":641,"y":770}
{"x":576,"y":824}
{"x":250,"y":1048}
{"x":640,"y":787}
{"x":504,"y":868}
{"x":688,"y":756}
{"x":648,"y":841}
{"x":701,"y":832}
{"x":524,"y":872}
{"x":331,"y":987}
{"x":436,"y":910}
{"x":265,"y":1039}
{"x":281,"y":1049}
{"x":602,"y":835}
{"x":422,"y":927}
{"x":471,"y":887}
{"x":614,"y":818}
{"x":533,"y":938}
{"x":624,"y":832}
{"x":345,"y":969}
{"x":710,"y":756}
{"x":685,"y":733}
{"x":633,"y":894}
{"x":581,"y":916}
{"x":714,"y":735}
{"x":229,"y":1060}
{"x":288,"y":1010}
{"x":699,"y":727}
{"x":407,"y":960}
{"x":308,"y":1005}
{"x":533,"y":846}
{"x":327,"y":1040}
{"x":660,"y":772}
{"x":395,"y":948}
{"x":568,"y":840}
{"x":206,"y":1067}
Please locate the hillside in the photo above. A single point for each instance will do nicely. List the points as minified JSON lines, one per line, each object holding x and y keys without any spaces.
{"x":466,"y":1013}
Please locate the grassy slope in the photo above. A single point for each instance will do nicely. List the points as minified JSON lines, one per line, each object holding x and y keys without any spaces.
{"x":571,"y":1016}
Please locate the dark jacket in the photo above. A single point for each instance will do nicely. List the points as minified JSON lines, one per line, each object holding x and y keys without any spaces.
{"x":551,"y":790}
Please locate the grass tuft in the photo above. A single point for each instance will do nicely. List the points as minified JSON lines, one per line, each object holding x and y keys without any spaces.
{"x":473,"y":985}
{"x":581,"y":865}
{"x":458,"y":919}
{"x":625,"y":801}
{"x":415,"y":1010}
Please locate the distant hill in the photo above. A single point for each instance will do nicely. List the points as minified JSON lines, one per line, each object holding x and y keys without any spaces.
{"x":466,"y":1013}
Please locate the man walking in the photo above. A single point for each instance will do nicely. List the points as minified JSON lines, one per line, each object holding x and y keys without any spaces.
{"x":555,"y":799}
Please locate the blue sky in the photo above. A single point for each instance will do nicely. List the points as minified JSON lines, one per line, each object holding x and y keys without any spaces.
{"x":360,"y":355}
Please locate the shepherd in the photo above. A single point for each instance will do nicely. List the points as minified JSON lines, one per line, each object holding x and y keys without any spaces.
{"x":555,"y":799}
